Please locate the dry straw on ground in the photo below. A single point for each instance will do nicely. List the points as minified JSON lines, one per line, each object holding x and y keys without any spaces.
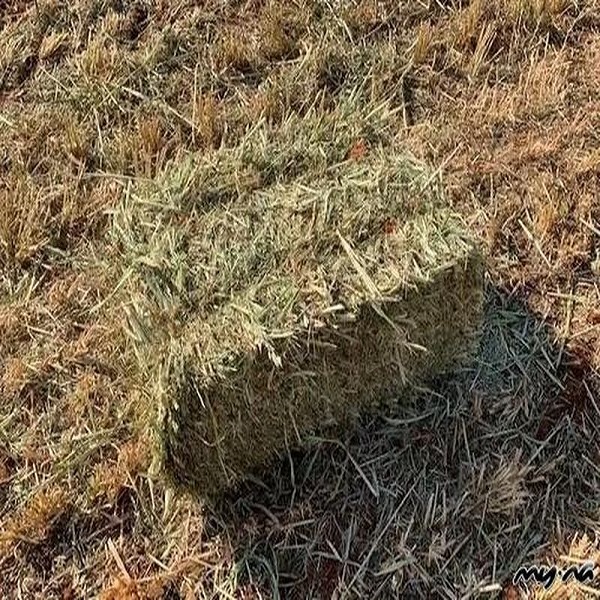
{"x":262,"y":315}
{"x":495,"y":469}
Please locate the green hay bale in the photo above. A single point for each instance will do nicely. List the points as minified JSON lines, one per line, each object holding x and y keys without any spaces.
{"x":265,"y":314}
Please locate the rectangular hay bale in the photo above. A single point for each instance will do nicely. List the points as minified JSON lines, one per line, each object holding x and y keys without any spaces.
{"x":266,"y":315}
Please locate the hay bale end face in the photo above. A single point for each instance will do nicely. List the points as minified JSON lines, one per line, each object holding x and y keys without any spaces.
{"x":261,"y":317}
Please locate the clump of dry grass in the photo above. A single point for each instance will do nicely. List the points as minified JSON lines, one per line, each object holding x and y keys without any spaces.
{"x":35,"y":522}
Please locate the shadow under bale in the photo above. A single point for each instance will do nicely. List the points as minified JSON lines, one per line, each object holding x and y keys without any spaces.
{"x":472,"y":476}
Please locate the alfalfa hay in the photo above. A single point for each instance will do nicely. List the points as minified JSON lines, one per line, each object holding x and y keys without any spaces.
{"x":261,"y":312}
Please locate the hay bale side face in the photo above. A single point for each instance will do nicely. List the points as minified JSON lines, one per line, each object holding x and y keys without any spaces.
{"x":215,"y":434}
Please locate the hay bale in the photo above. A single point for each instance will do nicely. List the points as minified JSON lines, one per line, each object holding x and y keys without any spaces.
{"x":265,"y":314}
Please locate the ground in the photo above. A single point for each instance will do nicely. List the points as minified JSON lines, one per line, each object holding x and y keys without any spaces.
{"x":490,"y":469}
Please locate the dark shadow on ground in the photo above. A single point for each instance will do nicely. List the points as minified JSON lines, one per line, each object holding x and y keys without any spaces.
{"x":490,"y":469}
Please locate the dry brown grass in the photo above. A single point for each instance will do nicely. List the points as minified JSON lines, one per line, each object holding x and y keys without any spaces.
{"x":495,"y":469}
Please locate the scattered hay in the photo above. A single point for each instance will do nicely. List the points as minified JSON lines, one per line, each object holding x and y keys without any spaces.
{"x":267,"y":310}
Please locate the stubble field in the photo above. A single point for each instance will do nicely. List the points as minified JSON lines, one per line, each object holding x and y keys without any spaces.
{"x":493,"y":467}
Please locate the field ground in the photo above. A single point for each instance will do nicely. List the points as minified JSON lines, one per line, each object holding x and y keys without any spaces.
{"x":493,"y":467}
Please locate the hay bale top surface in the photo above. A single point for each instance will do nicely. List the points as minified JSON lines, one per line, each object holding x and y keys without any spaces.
{"x":301,"y":255}
{"x":227,"y":258}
